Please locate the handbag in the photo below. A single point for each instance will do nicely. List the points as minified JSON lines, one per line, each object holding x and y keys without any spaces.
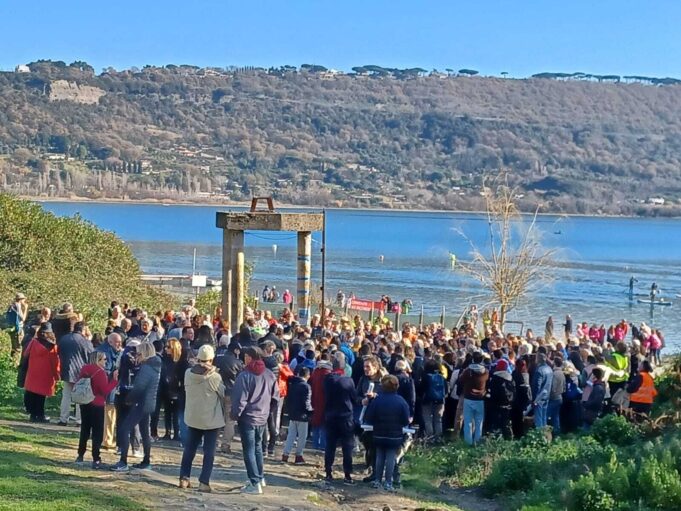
{"x":82,"y":391}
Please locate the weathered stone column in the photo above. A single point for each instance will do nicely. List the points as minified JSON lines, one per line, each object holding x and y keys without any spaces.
{"x":227,"y":276}
{"x":304,"y":266}
{"x":237,"y":280}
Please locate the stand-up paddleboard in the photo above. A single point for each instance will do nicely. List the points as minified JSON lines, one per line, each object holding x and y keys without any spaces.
{"x":663,"y":303}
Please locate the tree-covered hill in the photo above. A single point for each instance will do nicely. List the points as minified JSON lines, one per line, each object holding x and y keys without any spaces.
{"x":309,"y":135}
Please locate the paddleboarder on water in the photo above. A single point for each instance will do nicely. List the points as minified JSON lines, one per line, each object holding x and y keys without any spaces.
{"x":632,"y":280}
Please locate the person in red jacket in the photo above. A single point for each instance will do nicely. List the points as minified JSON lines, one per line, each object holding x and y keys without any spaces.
{"x":92,"y":414}
{"x":43,"y":372}
{"x":318,"y":400}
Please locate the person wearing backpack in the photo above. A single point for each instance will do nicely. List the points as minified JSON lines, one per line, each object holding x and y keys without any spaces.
{"x":92,"y":413}
{"x":474,"y":382}
{"x":434,"y":392}
{"x":502,"y":395}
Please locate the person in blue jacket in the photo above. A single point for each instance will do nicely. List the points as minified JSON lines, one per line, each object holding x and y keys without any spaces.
{"x":542,"y":380}
{"x":388,"y":413}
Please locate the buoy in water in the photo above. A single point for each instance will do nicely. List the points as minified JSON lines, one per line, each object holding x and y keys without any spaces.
{"x":274,"y":249}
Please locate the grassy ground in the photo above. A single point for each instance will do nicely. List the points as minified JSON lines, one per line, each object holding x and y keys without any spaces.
{"x":31,"y":480}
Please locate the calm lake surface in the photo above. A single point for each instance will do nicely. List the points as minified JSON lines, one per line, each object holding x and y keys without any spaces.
{"x":596,"y":258}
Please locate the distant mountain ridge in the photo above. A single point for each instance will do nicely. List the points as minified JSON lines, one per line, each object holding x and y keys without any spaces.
{"x":310,"y":135}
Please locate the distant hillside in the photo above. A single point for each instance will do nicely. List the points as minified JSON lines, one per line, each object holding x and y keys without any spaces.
{"x":395,"y":138}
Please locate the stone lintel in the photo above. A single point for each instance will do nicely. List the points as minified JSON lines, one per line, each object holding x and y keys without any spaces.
{"x":266,"y":221}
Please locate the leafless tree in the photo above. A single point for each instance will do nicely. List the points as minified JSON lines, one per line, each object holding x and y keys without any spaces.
{"x":513,"y":263}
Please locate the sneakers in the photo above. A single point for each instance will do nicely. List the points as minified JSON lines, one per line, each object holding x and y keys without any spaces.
{"x":226,"y":449}
{"x":328,"y":478}
{"x":369,"y":479}
{"x":41,"y":420}
{"x":136,"y":454}
{"x":97,"y":465}
{"x":205,"y":488}
{"x":252,"y":489}
{"x":120,"y":467}
{"x":145,"y":465}
{"x":299,"y":460}
{"x":184,"y":483}
{"x":284,"y":458}
{"x":263,"y":483}
{"x":80,"y":460}
{"x":389,"y":487}
{"x":348,"y":481}
{"x":270,"y":453}
{"x":62,"y":423}
{"x":376,"y":485}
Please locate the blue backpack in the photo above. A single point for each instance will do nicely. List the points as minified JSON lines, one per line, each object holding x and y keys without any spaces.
{"x":572,"y":391}
{"x":435,"y":392}
{"x":12,"y":318}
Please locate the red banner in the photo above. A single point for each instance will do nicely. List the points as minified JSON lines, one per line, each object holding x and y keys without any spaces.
{"x":357,"y":304}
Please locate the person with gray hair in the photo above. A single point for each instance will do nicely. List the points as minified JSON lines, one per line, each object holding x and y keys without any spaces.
{"x":341,"y":396}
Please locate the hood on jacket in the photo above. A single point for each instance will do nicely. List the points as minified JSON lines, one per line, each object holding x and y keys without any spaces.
{"x":503,"y":374}
{"x":295,"y":379}
{"x":257,"y":367}
{"x":323,"y":364}
{"x":477,"y":368}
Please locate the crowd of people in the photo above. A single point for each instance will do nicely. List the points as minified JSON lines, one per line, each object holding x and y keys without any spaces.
{"x":340,"y":381}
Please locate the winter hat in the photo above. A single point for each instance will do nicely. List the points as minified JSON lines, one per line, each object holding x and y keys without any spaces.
{"x":206,"y":353}
{"x":502,"y":365}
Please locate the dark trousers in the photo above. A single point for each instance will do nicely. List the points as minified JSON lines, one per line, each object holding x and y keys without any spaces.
{"x":517,"y":422}
{"x":367,"y":438}
{"x":191,"y":444}
{"x":501,"y":421}
{"x":172,"y":417}
{"x":136,"y":417}
{"x":343,"y":430}
{"x":269,"y":438}
{"x":449,"y":414}
{"x":122,"y":411}
{"x":35,"y":405}
{"x":153,"y":424}
{"x":92,"y":423}
{"x":251,"y":444}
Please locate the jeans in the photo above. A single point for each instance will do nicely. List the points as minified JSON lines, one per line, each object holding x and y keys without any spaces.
{"x":183,"y":425}
{"x":191,"y":444}
{"x":432,"y":417}
{"x":319,"y":438}
{"x":156,"y":416}
{"x":473,"y":417}
{"x":122,"y":412}
{"x":251,"y":444}
{"x":297,"y":433}
{"x":386,"y":461}
{"x":553,"y":415}
{"x":136,"y":417}
{"x":35,"y":405}
{"x":541,"y":414}
{"x":65,"y":408}
{"x":343,"y":430}
{"x":92,"y":422}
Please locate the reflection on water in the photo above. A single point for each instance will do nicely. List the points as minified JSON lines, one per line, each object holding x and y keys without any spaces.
{"x":597,"y":257}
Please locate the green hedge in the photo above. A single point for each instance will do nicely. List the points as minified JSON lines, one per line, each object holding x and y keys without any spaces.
{"x":56,"y":259}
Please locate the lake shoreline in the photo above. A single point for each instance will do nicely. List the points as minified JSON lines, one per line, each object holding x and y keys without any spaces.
{"x":302,"y":208}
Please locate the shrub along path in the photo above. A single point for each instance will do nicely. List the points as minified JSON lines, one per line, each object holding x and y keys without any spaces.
{"x":38,"y":467}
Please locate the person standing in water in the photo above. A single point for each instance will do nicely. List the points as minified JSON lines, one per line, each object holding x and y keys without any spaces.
{"x":632,"y":280}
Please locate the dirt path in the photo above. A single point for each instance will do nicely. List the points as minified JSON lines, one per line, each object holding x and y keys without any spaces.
{"x":289,"y":487}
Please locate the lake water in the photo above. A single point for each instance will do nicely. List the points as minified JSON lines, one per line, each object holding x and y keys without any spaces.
{"x":596,"y":258}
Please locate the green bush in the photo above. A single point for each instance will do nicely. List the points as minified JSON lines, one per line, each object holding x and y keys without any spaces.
{"x":659,"y":483}
{"x":54,"y":260}
{"x":614,"y":430}
{"x":586,"y":494}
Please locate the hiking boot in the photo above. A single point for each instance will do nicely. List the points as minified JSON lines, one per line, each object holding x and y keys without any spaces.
{"x":252,"y":489}
{"x":205,"y":488}
{"x":80,"y":460}
{"x":184,"y":483}
{"x":348,"y":481}
{"x":145,"y":465}
{"x":284,"y":458}
{"x":299,"y":460}
{"x":120,"y":467}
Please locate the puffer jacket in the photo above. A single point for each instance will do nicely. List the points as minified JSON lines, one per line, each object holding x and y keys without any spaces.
{"x":145,"y":387}
{"x":205,"y":393}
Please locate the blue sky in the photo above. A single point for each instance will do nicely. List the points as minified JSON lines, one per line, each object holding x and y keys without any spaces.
{"x":519,"y":36}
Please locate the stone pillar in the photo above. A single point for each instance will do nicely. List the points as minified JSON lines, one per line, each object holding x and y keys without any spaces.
{"x":237,"y":280}
{"x":227,"y":276}
{"x":304,"y":266}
